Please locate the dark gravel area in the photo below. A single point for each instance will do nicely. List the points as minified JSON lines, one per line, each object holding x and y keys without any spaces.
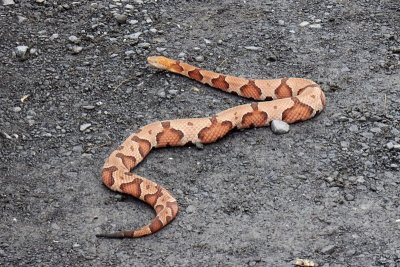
{"x":74,"y":83}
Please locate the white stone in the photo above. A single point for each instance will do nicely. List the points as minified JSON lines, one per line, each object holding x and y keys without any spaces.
{"x":84,"y":126}
{"x":8,"y":2}
{"x":21,"y":51}
{"x":54,"y":36}
{"x":279,"y":127}
{"x":304,"y":24}
{"x":74,"y":39}
{"x":253,"y":48}
{"x":315,"y":26}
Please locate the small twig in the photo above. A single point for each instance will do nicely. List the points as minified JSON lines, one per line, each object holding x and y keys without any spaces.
{"x":222,"y":62}
{"x":385,"y":104}
{"x":123,"y":82}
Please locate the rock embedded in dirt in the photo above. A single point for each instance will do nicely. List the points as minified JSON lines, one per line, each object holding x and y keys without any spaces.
{"x":120,"y":18}
{"x":84,"y":127}
{"x":8,"y":2}
{"x":74,"y":39}
{"x":21,"y":52}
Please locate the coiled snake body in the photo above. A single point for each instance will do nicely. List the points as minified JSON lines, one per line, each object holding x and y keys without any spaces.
{"x":293,"y":100}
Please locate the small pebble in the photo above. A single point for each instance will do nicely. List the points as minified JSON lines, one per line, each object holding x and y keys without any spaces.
{"x":390,"y":145}
{"x":304,"y":24}
{"x":253,"y":48}
{"x":143,"y":45}
{"x":207,"y":41}
{"x":21,"y":19}
{"x":344,"y":144}
{"x":281,"y":22}
{"x":173,"y":92}
{"x":74,"y":39}
{"x":161,"y":49}
{"x":129,"y":52}
{"x":88,"y":107}
{"x":5,"y":135}
{"x":21,"y":52}
{"x":121,"y":18}
{"x":17,"y":109}
{"x":8,"y":2}
{"x":349,"y":197}
{"x":199,"y":58}
{"x":55,"y":226}
{"x":279,"y":127}
{"x":84,"y":126}
{"x":353,"y":128}
{"x":360,"y":179}
{"x":315,"y":26}
{"x":33,"y":51}
{"x":77,"y":148}
{"x":161,"y":93}
{"x":47,"y":135}
{"x":133,"y":21}
{"x":199,"y":146}
{"x":76,"y":49}
{"x":54,"y":36}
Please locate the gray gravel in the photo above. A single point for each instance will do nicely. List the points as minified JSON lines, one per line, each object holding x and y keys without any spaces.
{"x":327,"y":191}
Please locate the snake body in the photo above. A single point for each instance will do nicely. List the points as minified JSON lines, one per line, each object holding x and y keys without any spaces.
{"x":290,"y":99}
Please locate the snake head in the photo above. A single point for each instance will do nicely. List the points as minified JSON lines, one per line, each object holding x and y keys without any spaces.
{"x":160,"y":62}
{"x":164,"y":63}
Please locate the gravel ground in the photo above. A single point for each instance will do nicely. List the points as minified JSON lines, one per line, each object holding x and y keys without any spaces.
{"x":74,"y":83}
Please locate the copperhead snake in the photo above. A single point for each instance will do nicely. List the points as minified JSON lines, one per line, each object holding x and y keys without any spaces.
{"x":293,"y":100}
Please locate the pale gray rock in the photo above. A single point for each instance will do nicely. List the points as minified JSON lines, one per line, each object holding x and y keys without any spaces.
{"x":8,"y":2}
{"x":279,"y":127}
